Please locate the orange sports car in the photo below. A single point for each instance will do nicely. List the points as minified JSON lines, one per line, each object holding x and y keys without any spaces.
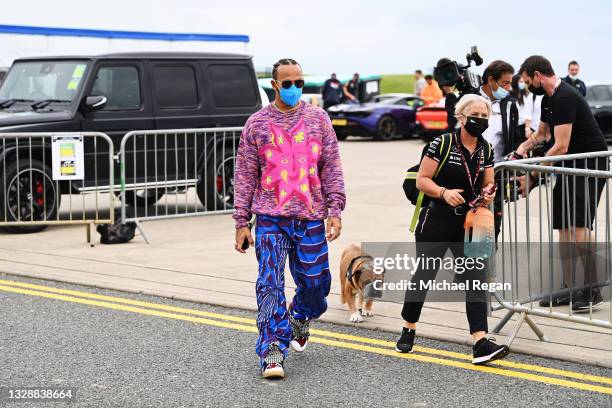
{"x":432,"y":120}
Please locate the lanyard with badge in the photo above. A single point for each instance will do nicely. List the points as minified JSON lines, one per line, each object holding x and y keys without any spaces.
{"x":471,"y":181}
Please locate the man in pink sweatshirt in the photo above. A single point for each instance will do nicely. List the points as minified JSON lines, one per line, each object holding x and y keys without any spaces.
{"x":288,"y":173}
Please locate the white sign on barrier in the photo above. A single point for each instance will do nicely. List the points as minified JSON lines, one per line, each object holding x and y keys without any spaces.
{"x":67,"y":157}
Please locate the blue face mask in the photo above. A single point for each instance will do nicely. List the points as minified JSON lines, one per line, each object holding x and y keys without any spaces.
{"x":291,"y":96}
{"x":521,"y":86}
{"x":500,"y":93}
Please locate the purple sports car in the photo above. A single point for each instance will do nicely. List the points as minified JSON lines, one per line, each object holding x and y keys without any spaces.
{"x":385,"y":117}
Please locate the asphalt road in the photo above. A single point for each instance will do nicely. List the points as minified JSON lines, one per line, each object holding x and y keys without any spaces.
{"x":120,"y":352}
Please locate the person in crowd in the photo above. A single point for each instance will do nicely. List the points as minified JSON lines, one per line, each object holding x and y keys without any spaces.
{"x":497,"y":84}
{"x":532,"y":110}
{"x":573,"y":69}
{"x":464,"y":180}
{"x":288,"y":173}
{"x":520,"y":94}
{"x":502,"y":131}
{"x":419,"y":82}
{"x":351,"y":89}
{"x":431,"y":93}
{"x":333,"y":92}
{"x":574,"y":130}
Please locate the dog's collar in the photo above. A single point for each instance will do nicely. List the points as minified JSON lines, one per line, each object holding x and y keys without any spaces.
{"x":349,"y":270}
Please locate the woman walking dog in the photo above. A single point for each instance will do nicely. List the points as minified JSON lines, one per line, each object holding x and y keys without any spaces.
{"x":465,"y":181}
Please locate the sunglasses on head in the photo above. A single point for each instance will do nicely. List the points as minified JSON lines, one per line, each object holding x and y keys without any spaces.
{"x":299,"y":83}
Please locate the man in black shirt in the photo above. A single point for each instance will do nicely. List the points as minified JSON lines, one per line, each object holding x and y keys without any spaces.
{"x":573,"y":130}
{"x":572,"y":77}
{"x":333,"y":92}
{"x":351,"y":89}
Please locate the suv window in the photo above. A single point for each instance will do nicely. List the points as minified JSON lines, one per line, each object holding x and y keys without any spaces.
{"x":120,"y":85}
{"x":37,"y":80}
{"x":175,"y":86}
{"x":232,"y":86}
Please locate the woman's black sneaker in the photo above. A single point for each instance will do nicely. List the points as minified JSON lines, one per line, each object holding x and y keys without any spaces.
{"x":406,"y":341}
{"x":486,"y":350}
{"x":588,"y":298}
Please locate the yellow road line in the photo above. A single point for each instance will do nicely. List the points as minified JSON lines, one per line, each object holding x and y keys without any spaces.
{"x":330,"y":342}
{"x":318,"y":332}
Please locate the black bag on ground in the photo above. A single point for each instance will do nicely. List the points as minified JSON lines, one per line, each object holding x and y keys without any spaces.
{"x":116,"y":233}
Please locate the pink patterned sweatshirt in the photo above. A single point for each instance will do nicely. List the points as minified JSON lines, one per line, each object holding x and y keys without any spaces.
{"x":288,"y":165}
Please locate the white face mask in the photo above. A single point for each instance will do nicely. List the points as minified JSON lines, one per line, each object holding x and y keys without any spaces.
{"x":573,"y":77}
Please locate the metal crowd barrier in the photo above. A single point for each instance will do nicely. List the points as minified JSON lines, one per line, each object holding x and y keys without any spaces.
{"x":177,"y":173}
{"x":32,"y":196}
{"x":529,"y":255}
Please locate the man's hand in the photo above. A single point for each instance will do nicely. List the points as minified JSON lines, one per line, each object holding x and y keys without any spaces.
{"x":243,"y":234}
{"x":333,"y":228}
{"x":533,"y":179}
{"x":515,"y":155}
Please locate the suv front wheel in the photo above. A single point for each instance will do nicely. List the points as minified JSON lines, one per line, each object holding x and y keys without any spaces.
{"x":28,"y":193}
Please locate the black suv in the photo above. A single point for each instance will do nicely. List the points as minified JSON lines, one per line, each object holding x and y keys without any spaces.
{"x":115,"y":94}
{"x":599,"y":98}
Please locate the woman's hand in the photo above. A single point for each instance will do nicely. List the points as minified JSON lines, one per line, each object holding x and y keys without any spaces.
{"x":453,"y":197}
{"x":488,"y":199}
{"x":488,"y":194}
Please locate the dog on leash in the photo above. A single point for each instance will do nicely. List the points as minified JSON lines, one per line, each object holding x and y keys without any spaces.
{"x":357,"y":279}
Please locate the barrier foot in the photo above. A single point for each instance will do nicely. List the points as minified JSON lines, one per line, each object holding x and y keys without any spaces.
{"x":525,"y":318}
{"x":536,"y":329}
{"x":516,"y":329}
{"x":88,"y":228}
{"x":503,"y":321}
{"x":144,"y":236}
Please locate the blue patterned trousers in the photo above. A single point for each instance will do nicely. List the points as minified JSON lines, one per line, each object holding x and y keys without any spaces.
{"x":304,"y":243}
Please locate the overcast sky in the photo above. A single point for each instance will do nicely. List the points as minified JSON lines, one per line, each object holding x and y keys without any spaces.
{"x":380,"y":36}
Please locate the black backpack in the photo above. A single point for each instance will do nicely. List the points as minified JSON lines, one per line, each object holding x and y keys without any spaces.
{"x":116,"y":233}
{"x":413,"y":194}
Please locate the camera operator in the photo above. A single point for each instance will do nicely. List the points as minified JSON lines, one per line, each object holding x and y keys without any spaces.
{"x":450,"y":100}
{"x":574,"y":130}
{"x":502,"y":132}
{"x":450,"y":96}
